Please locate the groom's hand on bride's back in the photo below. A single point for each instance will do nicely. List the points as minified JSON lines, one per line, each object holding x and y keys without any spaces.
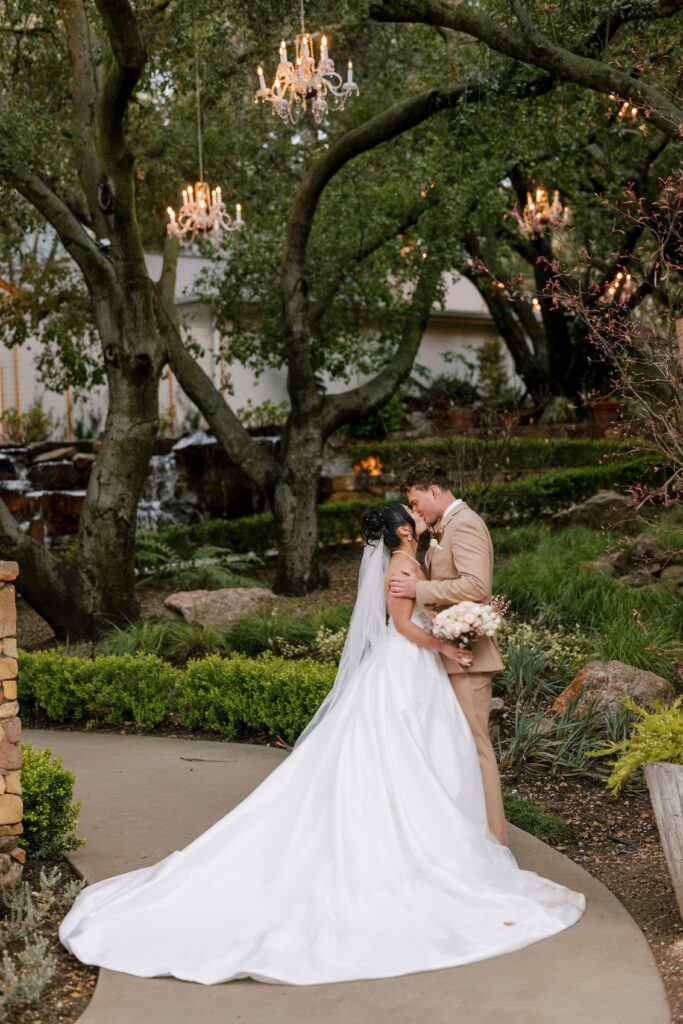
{"x":404,"y":584}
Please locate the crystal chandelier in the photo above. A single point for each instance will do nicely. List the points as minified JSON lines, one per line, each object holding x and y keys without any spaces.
{"x":619,"y":289}
{"x":203,"y":210}
{"x":296,"y":85}
{"x":539,"y":213}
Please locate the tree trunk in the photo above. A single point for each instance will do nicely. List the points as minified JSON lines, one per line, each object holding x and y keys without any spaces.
{"x":295,"y":507}
{"x":80,"y":599}
{"x":56,"y":590}
{"x":106,"y":537}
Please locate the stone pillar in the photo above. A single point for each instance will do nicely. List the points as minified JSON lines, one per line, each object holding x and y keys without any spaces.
{"x":11,"y":856}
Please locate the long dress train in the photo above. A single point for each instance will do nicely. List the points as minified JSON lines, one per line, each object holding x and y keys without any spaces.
{"x":365,"y":854}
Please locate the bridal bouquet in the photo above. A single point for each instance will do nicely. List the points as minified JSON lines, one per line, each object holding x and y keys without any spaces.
{"x":466,"y":621}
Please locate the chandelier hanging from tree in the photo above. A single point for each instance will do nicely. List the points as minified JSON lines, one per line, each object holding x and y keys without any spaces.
{"x":203,"y":211}
{"x":539,"y":213}
{"x":298,"y":84}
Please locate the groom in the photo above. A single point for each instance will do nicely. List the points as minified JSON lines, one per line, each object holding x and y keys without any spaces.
{"x":460,"y":568}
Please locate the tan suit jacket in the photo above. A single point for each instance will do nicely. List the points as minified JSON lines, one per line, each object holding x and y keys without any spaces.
{"x":461,"y":569}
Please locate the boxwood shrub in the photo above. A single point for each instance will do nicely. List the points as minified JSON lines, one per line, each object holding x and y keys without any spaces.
{"x":517,"y":453}
{"x":108,"y":690}
{"x":236,"y":697}
{"x":50,"y":815}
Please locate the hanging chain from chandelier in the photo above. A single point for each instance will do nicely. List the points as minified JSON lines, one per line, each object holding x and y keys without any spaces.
{"x":296,"y":85}
{"x":539,"y":213}
{"x":203,"y":211}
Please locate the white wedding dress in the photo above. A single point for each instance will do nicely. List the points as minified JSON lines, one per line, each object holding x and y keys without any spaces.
{"x":365,"y":854}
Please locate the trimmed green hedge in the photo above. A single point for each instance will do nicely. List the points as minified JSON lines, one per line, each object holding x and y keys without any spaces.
{"x":532,"y":497}
{"x":240,"y":695}
{"x":501,"y":503}
{"x":235,"y":697}
{"x":531,"y":453}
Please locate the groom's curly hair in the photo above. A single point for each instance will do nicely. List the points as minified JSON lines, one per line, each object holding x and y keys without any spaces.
{"x":425,"y":474}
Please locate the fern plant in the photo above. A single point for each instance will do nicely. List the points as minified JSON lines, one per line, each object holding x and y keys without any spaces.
{"x":656,"y":736}
{"x":206,"y":567}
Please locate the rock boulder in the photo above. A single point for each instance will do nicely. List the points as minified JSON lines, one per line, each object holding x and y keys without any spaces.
{"x":608,"y":682}
{"x":219,"y":607}
{"x":53,"y":476}
{"x":605,"y":509}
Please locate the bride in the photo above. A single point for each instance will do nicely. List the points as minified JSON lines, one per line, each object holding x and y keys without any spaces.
{"x":365,"y":854}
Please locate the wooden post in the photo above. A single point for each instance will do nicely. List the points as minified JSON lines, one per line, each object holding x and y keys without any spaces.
{"x":69,"y":431}
{"x":171,"y":404}
{"x":11,"y":807}
{"x":2,"y":402}
{"x":222,"y":370}
{"x":17,"y":392}
{"x":665,"y":782}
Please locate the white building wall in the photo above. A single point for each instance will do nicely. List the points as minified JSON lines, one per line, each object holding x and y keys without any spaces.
{"x":460,"y":327}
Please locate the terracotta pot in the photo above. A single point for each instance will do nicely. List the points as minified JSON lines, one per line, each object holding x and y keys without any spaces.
{"x":604,"y":410}
{"x":665,"y":783}
{"x":461,"y":419}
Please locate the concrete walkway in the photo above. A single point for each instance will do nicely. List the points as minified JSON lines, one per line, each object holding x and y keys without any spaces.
{"x":144,"y":796}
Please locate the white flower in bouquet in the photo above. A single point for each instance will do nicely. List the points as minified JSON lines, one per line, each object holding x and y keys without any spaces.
{"x":466,"y":621}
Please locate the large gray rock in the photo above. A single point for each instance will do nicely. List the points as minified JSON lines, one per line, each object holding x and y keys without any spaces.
{"x":672,"y":577}
{"x":605,"y":509}
{"x":637,"y":578}
{"x":608,"y":682}
{"x":219,"y":607}
{"x":647,"y":551}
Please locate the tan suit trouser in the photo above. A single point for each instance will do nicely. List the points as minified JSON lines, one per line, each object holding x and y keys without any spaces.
{"x":473,"y":690}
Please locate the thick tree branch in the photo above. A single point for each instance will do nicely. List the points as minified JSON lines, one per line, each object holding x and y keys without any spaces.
{"x":364,"y":250}
{"x":620,"y":14}
{"x":95,"y":267}
{"x":249,"y":455}
{"x":375,"y":393}
{"x":123,"y":74}
{"x":44,"y":581}
{"x":531,"y":47}
{"x":294,"y":289}
{"x":80,"y":45}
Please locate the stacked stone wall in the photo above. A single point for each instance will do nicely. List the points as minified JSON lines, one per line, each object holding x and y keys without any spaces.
{"x":11,"y":808}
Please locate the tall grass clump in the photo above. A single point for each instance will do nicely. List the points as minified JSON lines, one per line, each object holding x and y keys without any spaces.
{"x":320,"y":635}
{"x":551,"y":581}
{"x":176,"y":642}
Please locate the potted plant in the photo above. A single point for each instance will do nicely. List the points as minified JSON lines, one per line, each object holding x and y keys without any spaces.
{"x":604,"y":411}
{"x":656,"y":745}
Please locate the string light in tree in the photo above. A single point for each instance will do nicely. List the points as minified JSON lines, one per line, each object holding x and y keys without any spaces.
{"x":626,"y":108}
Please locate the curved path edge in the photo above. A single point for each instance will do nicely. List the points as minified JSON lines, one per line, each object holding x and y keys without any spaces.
{"x":143,"y":796}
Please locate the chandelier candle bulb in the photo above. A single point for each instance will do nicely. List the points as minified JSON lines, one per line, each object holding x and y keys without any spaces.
{"x":300,"y":68}
{"x":349,"y":73}
{"x":323,"y":48}
{"x":238,"y":212}
{"x":261,"y":79}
